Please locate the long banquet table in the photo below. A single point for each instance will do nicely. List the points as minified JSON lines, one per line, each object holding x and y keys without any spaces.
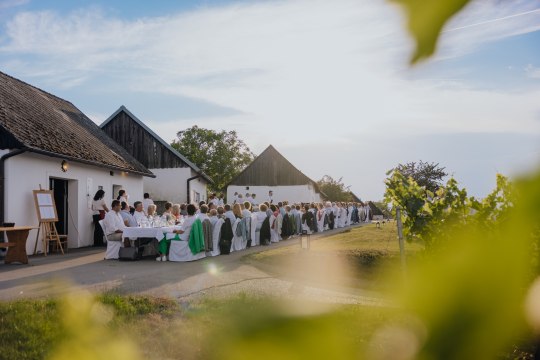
{"x":158,"y":233}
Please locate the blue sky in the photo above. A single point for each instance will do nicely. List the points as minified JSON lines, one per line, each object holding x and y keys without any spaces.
{"x":327,"y":83}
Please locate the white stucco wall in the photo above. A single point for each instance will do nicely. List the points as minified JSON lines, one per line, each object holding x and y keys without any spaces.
{"x":27,"y":171}
{"x":171,"y":185}
{"x":292,"y":194}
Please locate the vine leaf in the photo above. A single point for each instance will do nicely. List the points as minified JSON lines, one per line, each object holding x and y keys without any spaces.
{"x":426,"y":19}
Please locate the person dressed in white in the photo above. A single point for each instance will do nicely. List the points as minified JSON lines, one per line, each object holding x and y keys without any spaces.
{"x":335,"y":210}
{"x":254,"y":202}
{"x":271,"y":197}
{"x":180,"y":250}
{"x":113,"y":222}
{"x":229,"y":214}
{"x":139,"y":214}
{"x":221,"y":202}
{"x":343,"y":214}
{"x":319,"y":217}
{"x":213,"y":217}
{"x":274,"y":235}
{"x":258,"y":218}
{"x":349,"y":217}
{"x":123,"y":196}
{"x":367,"y":212}
{"x":147,"y":202}
{"x":248,"y":199}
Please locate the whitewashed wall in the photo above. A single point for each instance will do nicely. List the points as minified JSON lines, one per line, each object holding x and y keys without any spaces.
{"x":27,"y":171}
{"x":293,"y":194}
{"x":171,"y":185}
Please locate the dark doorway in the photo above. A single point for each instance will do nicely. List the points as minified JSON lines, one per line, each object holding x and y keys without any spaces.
{"x":60,"y":191}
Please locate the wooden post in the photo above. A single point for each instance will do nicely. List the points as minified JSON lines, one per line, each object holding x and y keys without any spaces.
{"x":400,"y":237}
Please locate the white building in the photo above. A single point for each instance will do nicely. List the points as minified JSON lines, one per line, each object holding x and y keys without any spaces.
{"x":177,"y":179}
{"x":272,"y":171}
{"x":38,"y":132}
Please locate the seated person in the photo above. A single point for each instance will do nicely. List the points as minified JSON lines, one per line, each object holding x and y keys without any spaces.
{"x":213,"y":217}
{"x":139,"y":214}
{"x":168,"y":213}
{"x":176,"y":213}
{"x":151,"y":211}
{"x":180,"y":249}
{"x":128,"y":219}
{"x":113,"y":223}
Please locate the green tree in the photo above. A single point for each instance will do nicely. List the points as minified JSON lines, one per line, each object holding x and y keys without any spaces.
{"x":220,"y":154}
{"x":428,"y":175}
{"x":335,"y":190}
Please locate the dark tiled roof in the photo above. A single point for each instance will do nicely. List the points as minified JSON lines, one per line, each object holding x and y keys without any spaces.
{"x":271,"y":168}
{"x":52,"y":126}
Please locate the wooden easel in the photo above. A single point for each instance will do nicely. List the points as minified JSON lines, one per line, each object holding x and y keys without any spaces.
{"x":47,"y":215}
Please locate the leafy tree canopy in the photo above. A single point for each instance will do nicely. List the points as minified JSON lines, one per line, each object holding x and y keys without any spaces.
{"x":221,"y":155}
{"x":335,"y":190}
{"x":425,"y":174}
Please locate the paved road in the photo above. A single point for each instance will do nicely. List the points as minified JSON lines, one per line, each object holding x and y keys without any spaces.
{"x":215,"y":277}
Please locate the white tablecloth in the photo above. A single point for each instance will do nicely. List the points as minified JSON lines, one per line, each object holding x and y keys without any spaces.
{"x":138,"y":232}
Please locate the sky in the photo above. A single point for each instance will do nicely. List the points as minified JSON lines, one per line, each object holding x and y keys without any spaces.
{"x":328,"y":83}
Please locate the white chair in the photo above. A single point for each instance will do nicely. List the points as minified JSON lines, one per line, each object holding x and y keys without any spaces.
{"x":113,"y":247}
{"x":237,"y":241}
{"x":255,"y":235}
{"x":274,"y":236}
{"x":216,"y":233}
{"x":180,"y":251}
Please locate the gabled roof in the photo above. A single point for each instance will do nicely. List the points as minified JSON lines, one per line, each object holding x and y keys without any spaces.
{"x":157,"y":138}
{"x":271,"y":168}
{"x":374,"y":209}
{"x":354,"y":197}
{"x":43,"y":123}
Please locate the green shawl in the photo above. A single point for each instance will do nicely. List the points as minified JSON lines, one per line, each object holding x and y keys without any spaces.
{"x":196,"y":238}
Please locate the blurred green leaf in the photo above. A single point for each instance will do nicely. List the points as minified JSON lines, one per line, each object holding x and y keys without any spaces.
{"x":426,"y":20}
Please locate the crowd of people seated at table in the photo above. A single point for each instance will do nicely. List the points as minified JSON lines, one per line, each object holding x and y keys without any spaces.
{"x":192,"y":232}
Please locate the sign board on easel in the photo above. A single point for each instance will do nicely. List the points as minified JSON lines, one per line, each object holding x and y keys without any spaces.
{"x":45,"y":206}
{"x":47,"y":215}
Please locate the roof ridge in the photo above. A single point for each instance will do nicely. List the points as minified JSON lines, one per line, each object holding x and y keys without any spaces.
{"x":39,"y":89}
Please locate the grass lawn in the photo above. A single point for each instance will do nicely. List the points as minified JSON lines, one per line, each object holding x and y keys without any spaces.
{"x":150,"y":328}
{"x":359,"y":258}
{"x":111,"y":326}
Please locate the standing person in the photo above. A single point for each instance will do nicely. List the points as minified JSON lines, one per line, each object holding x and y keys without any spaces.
{"x":253,"y":201}
{"x":99,"y":208}
{"x":270,"y":197}
{"x":221,"y":202}
{"x":147,"y":202}
{"x":248,"y":199}
{"x":123,"y":196}
{"x":235,"y":198}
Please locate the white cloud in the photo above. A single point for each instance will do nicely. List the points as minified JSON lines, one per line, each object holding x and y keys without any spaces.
{"x":7,"y":4}
{"x":299,"y":72}
{"x":532,"y":71}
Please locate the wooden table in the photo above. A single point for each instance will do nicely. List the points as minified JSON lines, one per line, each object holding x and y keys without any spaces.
{"x":17,"y":236}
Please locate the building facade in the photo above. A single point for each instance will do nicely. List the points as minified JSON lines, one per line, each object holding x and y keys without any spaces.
{"x":177,"y":179}
{"x":272,"y":171}
{"x":47,"y":143}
